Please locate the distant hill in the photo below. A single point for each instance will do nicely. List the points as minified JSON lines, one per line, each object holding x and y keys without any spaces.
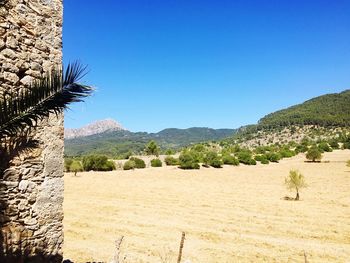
{"x":322,"y":117}
{"x":118,"y":142}
{"x":93,"y":128}
{"x":326,"y":110}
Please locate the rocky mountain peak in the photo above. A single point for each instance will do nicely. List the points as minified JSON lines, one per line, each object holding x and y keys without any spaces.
{"x":93,"y":128}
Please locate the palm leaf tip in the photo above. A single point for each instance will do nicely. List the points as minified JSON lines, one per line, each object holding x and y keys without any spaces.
{"x":51,"y":94}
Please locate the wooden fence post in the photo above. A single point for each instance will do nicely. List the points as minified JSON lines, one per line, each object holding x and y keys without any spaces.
{"x":181,"y":247}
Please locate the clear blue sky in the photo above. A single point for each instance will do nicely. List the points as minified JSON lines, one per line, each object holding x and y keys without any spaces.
{"x":222,"y":64}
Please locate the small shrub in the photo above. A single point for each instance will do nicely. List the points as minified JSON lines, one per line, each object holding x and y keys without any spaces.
{"x":273,"y":157}
{"x":129,"y":165}
{"x":156,"y":163}
{"x":252,"y":162}
{"x":124,"y":156}
{"x":324,"y":147}
{"x":305,"y":141}
{"x":170,"y":152}
{"x":188,"y":161}
{"x":212,"y":159}
{"x":216,"y":163}
{"x":198,"y":148}
{"x":286,"y":153}
{"x":139,"y":163}
{"x":259,"y":157}
{"x":169,"y":160}
{"x":262,"y":159}
{"x":334,"y":144}
{"x":109,"y":166}
{"x":230,"y":160}
{"x":301,"y":148}
{"x":246,"y":158}
{"x":346,"y":145}
{"x":97,"y":163}
{"x":197,"y":156}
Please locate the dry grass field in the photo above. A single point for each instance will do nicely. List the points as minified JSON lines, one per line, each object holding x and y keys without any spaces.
{"x":233,"y":214}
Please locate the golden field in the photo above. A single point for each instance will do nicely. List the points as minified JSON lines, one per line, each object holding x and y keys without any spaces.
{"x":233,"y":214}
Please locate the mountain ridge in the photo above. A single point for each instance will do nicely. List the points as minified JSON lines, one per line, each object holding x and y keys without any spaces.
{"x":93,"y":128}
{"x":118,"y":142}
{"x":331,"y":109}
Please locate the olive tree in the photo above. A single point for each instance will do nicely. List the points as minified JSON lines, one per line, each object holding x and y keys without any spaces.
{"x":75,"y":167}
{"x":152,"y":148}
{"x":314,"y":154}
{"x":295,"y":181}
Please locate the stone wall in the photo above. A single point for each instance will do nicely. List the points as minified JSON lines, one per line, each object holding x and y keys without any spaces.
{"x":31,"y":190}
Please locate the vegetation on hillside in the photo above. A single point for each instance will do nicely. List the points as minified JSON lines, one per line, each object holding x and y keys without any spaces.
{"x":327,"y":110}
{"x":249,"y":145}
{"x":122,"y":144}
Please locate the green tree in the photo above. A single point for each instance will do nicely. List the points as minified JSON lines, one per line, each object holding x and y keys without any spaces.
{"x":152,"y":148}
{"x":295,"y":181}
{"x":97,"y":163}
{"x":129,"y":165}
{"x":212,"y":159}
{"x":301,"y":148}
{"x":323,"y":146}
{"x":75,"y":167}
{"x":273,"y":157}
{"x":139,"y":163}
{"x":67,"y":164}
{"x":262,"y":159}
{"x":170,"y":160}
{"x":169,"y":152}
{"x":245,"y":157}
{"x":188,"y":161}
{"x":156,"y":163}
{"x":314,"y":154}
{"x":334,"y":144}
{"x":230,"y":160}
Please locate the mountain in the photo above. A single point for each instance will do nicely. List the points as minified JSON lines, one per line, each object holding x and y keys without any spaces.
{"x":320,"y":118}
{"x":93,"y":128}
{"x":183,"y":137}
{"x":119,"y":142}
{"x":326,"y":110}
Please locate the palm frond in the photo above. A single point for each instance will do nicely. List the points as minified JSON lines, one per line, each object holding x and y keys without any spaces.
{"x":51,"y":94}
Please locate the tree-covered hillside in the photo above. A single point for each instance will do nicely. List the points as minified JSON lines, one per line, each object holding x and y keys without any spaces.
{"x":119,"y":143}
{"x":326,"y":110}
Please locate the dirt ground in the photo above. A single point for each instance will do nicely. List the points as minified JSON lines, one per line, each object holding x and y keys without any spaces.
{"x":233,"y":214}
